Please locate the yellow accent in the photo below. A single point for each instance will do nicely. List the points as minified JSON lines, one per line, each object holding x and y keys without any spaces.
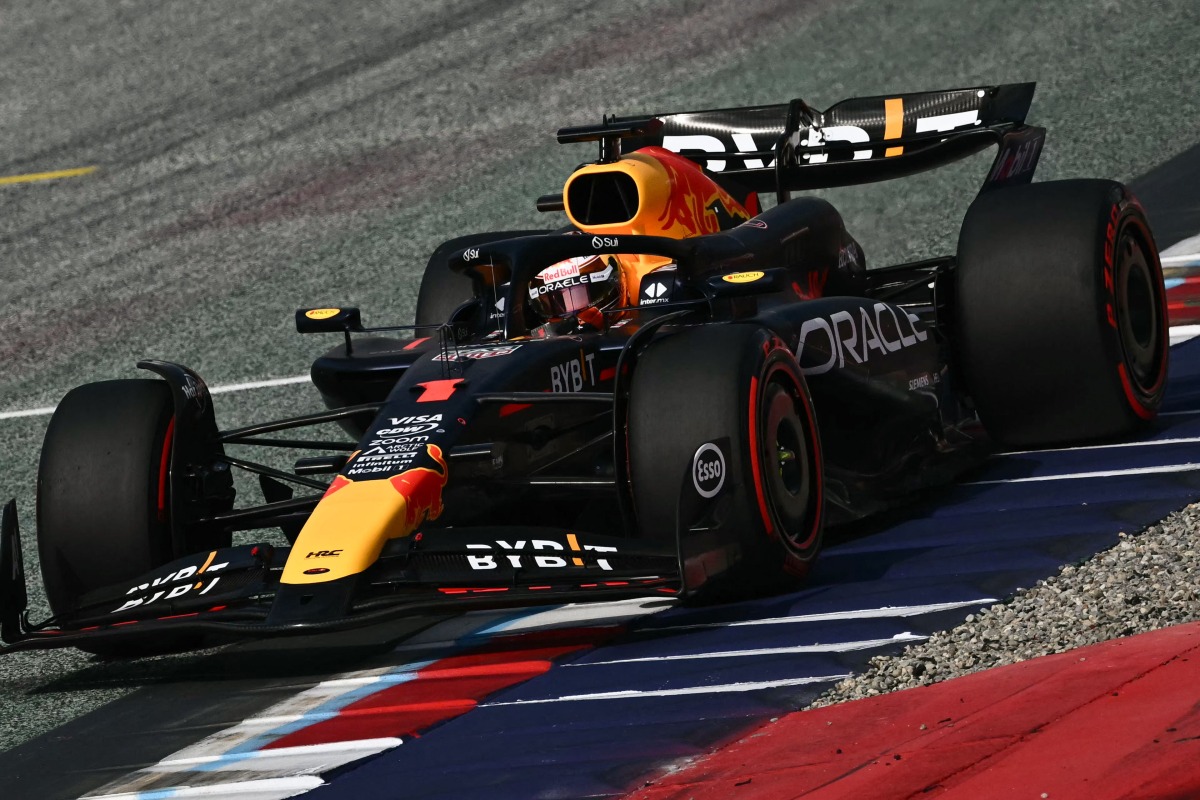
{"x":208,"y":562}
{"x":893,"y":126}
{"x":742,"y":277}
{"x":573,"y":541}
{"x":322,"y":313}
{"x":47,"y":176}
{"x":357,"y":519}
{"x":578,"y":561}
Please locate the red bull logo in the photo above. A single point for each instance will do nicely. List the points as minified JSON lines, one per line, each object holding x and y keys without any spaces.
{"x":422,"y":487}
{"x":696,"y":205}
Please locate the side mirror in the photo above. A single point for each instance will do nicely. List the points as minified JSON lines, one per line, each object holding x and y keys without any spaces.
{"x":327,"y":320}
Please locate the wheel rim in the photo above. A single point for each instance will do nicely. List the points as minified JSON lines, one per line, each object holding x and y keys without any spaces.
{"x":787,"y":467}
{"x":1139,"y":321}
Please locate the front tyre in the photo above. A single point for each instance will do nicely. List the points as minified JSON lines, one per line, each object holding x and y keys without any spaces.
{"x":103,"y":487}
{"x":723,"y":446}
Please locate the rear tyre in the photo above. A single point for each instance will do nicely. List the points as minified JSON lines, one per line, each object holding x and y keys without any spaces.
{"x":1062,"y":323}
{"x":735,"y":388}
{"x":442,"y":289}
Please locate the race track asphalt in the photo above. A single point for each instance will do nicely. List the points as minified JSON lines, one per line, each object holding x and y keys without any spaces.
{"x":253,"y":158}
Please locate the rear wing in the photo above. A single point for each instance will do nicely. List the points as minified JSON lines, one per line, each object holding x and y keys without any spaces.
{"x":794,"y":147}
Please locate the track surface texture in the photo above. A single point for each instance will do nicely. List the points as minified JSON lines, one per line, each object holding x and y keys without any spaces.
{"x":253,"y":158}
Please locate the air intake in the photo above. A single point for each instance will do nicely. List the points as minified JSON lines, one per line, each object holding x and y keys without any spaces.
{"x":603,"y":198}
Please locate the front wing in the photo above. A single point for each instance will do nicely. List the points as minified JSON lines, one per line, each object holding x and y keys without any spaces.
{"x":235,"y":592}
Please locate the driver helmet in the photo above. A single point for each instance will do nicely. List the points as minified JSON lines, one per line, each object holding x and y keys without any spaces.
{"x":571,"y":287}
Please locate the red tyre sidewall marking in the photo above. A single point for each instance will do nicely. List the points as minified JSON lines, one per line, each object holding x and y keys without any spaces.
{"x":800,"y":396}
{"x":164,"y":470}
{"x":813,"y":440}
{"x":755,"y":467}
{"x":1116,"y":226}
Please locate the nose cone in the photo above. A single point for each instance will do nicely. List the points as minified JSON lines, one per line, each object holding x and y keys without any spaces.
{"x":354,"y":519}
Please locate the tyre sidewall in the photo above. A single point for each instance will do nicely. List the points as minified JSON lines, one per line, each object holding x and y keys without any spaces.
{"x":708,"y":387}
{"x":100,"y":480}
{"x":1037,"y":317}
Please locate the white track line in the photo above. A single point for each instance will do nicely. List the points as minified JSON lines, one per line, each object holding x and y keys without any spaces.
{"x":269,"y":789}
{"x":225,"y":389}
{"x":1112,"y":473}
{"x":887,"y":612}
{"x":341,"y":752}
{"x":832,"y":647}
{"x":1182,"y":333}
{"x":1112,"y":446}
{"x":633,"y":694}
{"x":1181,"y":251}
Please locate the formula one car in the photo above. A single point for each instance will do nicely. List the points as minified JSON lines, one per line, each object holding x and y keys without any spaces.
{"x":673,"y":395}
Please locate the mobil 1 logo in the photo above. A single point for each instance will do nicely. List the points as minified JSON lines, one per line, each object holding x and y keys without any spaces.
{"x":709,"y":468}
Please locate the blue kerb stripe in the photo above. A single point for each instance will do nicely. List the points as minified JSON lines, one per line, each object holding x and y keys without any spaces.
{"x":507,"y":622}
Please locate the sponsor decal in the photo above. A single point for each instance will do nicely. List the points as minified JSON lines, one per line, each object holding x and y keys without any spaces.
{"x":848,"y":258}
{"x":655,"y":291}
{"x":656,"y":287}
{"x":416,"y":418}
{"x":730,"y":147}
{"x":316,"y":571}
{"x":599,"y":242}
{"x":324,"y":554}
{"x":407,"y":430}
{"x":1017,"y":160}
{"x":743,"y":277}
{"x":919,"y":382}
{"x":755,"y":223}
{"x":195,"y":391}
{"x":571,"y":376}
{"x":497,"y":310}
{"x":854,"y":334}
{"x":386,"y":460}
{"x":543,"y":553}
{"x":470,"y":254}
{"x":408,"y":427}
{"x":157,"y":589}
{"x":394,"y":452}
{"x":708,"y":470}
{"x":478,"y":353}
{"x":322,"y":313}
{"x":564,"y":269}
{"x":705,"y":143}
{"x":569,"y":281}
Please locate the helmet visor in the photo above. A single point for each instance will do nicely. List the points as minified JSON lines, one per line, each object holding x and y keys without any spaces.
{"x":570,"y":286}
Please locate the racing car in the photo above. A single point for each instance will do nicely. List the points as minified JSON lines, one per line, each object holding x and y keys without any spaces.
{"x":674,"y":394}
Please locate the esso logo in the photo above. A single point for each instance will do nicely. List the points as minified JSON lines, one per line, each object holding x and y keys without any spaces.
{"x":708,"y":470}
